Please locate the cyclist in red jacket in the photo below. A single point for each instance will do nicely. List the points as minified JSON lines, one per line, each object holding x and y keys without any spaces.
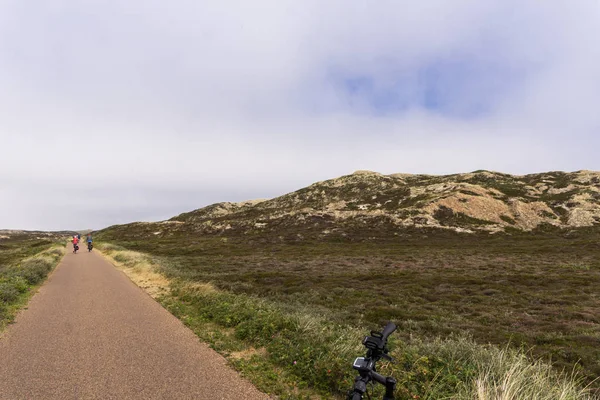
{"x":75,"y":243}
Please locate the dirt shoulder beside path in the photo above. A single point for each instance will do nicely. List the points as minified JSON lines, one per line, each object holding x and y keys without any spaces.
{"x":90,"y":333}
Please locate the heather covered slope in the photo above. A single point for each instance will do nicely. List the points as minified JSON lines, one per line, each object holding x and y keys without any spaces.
{"x":370,"y":205}
{"x":505,"y":259}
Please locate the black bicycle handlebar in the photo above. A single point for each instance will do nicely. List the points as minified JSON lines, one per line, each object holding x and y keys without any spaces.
{"x":388,"y":330}
{"x":376,"y":345}
{"x":378,"y":378}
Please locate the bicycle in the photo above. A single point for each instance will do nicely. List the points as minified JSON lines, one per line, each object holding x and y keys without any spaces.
{"x":377,"y":349}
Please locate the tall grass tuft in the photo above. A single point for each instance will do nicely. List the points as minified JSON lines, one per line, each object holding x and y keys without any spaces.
{"x":506,"y":374}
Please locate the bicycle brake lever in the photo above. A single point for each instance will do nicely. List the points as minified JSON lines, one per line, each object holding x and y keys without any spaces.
{"x":390,"y":359}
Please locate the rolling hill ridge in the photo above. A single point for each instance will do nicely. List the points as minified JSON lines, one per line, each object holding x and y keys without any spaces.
{"x":367,"y":204}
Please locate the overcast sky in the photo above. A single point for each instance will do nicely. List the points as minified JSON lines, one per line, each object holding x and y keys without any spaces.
{"x":114,"y":111}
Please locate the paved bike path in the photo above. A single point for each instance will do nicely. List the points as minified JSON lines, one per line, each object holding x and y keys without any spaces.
{"x":90,"y":333}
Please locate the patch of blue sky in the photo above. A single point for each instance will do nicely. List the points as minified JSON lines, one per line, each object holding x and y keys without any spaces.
{"x":464,"y":88}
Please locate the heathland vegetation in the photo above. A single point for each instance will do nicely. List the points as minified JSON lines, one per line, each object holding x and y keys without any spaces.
{"x":492,"y":279}
{"x":26,"y":259}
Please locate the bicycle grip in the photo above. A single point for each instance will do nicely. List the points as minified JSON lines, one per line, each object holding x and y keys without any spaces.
{"x":387,"y":331}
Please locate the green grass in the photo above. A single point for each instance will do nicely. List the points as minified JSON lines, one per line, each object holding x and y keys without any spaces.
{"x":306,"y":354}
{"x":506,"y":184}
{"x":447,"y":217}
{"x":508,"y":219}
{"x":534,"y":290}
{"x":25,"y":261}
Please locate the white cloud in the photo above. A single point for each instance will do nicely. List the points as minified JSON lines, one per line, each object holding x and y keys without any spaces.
{"x":184,"y":103}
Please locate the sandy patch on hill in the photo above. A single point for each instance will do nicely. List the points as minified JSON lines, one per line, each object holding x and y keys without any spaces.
{"x":587,"y":211}
{"x":586,"y":177}
{"x":480,"y":207}
{"x":530,"y":215}
{"x":526,"y":215}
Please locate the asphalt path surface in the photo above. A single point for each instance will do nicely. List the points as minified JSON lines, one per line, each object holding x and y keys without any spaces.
{"x":90,"y":333}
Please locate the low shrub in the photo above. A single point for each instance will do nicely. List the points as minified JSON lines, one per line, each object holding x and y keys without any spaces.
{"x":17,"y":279}
{"x":35,"y":270}
{"x":8,"y":292}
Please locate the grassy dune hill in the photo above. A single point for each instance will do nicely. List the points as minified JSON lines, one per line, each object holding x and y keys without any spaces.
{"x":367,"y":204}
{"x":503,"y":259}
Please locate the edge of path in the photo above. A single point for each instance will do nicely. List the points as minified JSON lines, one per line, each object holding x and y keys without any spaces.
{"x":140,"y":269}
